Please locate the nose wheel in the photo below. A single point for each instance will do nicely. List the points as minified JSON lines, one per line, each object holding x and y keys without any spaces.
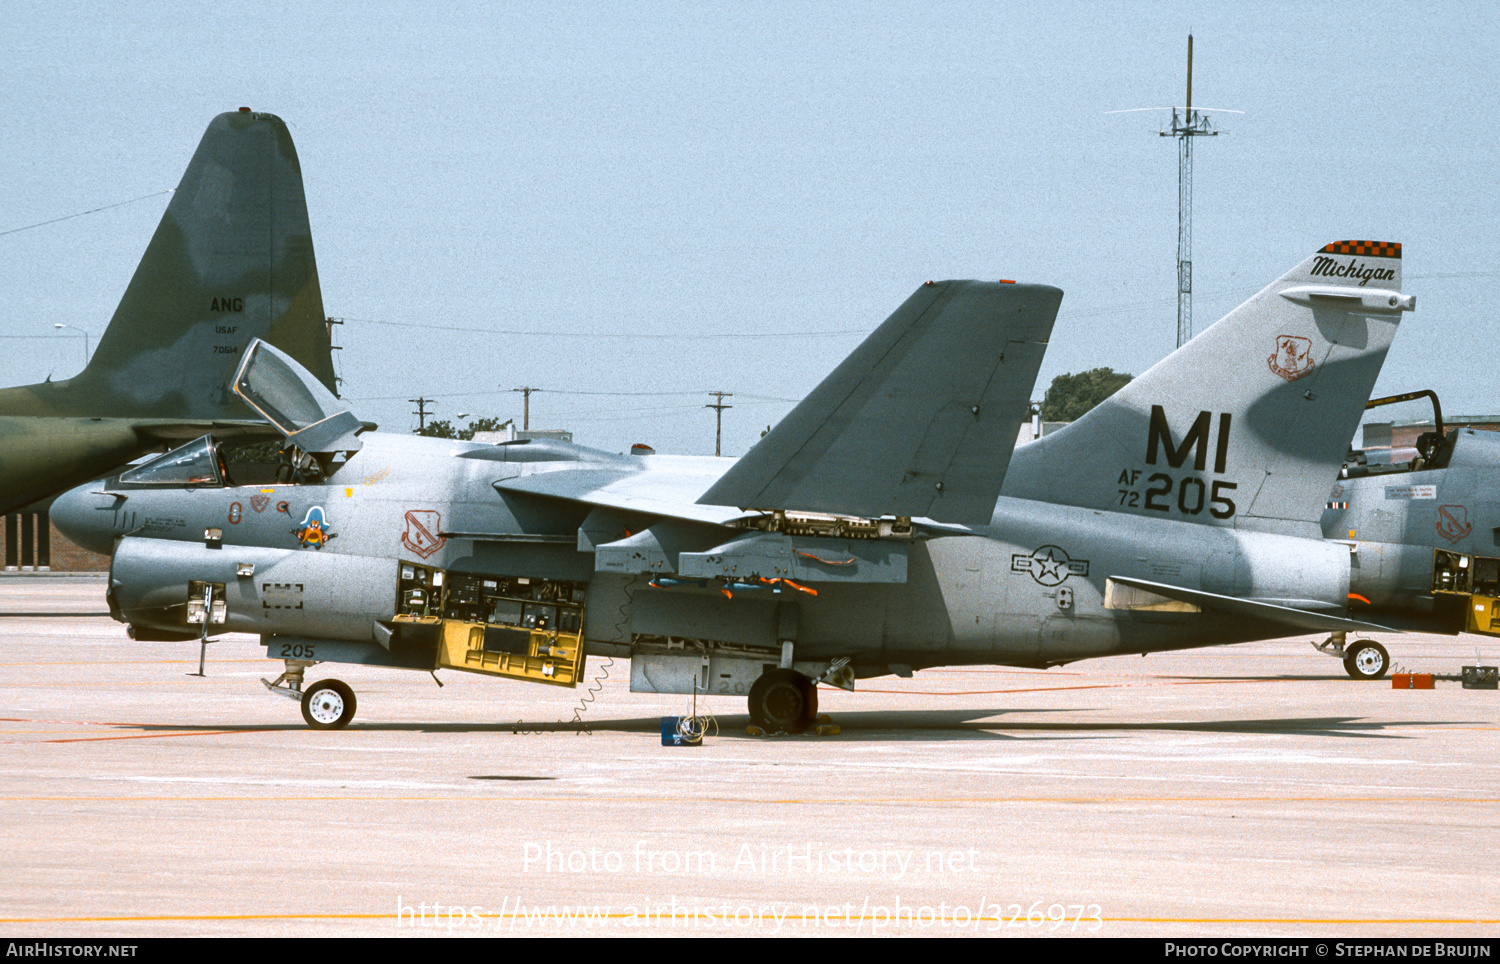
{"x":328,"y":705}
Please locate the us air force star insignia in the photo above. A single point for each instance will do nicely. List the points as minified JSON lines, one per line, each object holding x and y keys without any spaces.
{"x":1049,"y":565}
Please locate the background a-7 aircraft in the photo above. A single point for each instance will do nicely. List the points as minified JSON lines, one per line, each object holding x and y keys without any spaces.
{"x":1424,"y":527}
{"x":885,"y":525}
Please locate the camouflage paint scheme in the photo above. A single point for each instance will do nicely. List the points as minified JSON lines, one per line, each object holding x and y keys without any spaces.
{"x":231,"y":260}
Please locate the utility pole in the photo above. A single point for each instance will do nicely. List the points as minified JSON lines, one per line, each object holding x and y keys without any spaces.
{"x":525,"y":406}
{"x":718,"y":408}
{"x":1186,"y":125}
{"x":421,"y":412}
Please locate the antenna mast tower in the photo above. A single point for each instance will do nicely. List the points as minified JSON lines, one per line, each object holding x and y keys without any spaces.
{"x":1186,"y":125}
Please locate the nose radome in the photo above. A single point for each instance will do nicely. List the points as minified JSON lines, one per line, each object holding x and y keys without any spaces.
{"x":86,"y":515}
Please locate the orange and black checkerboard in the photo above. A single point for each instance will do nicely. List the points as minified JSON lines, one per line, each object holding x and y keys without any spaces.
{"x":1368,"y":249}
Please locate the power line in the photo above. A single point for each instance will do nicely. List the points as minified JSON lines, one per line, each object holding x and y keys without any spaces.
{"x":69,"y":217}
{"x":608,"y":334}
{"x":550,"y":391}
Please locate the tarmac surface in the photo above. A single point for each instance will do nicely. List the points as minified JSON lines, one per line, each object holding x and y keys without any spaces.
{"x":1253,"y":790}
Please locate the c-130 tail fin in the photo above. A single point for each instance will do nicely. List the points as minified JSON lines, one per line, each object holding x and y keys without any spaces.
{"x":232,"y":260}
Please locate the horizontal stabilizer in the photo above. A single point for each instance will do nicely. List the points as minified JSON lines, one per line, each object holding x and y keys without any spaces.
{"x":1254,"y":609}
{"x":919,"y":421}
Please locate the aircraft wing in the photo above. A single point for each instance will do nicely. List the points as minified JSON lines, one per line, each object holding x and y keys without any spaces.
{"x":669,"y":491}
{"x":919,"y":421}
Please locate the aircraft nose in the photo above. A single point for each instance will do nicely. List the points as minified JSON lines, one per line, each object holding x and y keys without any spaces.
{"x":86,"y":516}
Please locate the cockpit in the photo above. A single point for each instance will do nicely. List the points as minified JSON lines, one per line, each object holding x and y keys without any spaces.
{"x":198,"y":463}
{"x":204,"y":463}
{"x":1427,"y":450}
{"x":319,"y":432}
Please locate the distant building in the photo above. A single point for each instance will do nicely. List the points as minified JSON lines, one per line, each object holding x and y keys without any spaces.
{"x":1403,"y":435}
{"x":1031,"y":431}
{"x":33,"y":544}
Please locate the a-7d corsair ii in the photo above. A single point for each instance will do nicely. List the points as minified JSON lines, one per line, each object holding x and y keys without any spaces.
{"x":865,"y":535}
{"x":1423,"y":524}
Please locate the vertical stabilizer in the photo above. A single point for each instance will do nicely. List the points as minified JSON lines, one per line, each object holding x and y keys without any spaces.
{"x":919,"y":421}
{"x":1247,"y":424}
{"x":232,"y":260}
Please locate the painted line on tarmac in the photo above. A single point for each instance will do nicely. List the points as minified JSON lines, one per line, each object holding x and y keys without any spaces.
{"x":1050,"y":689}
{"x":670,"y":919}
{"x":149,"y":736}
{"x":117,"y":736}
{"x":478,"y":795}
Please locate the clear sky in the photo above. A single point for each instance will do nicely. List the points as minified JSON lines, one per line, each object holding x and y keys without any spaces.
{"x":637,"y":203}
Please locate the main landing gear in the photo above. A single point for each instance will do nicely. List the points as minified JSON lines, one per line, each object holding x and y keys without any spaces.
{"x":783,"y":701}
{"x":326,"y":705}
{"x":1363,"y":659}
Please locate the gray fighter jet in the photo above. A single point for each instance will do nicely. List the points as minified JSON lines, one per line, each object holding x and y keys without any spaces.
{"x":867,"y":534}
{"x":232,"y":260}
{"x":1423,"y":527}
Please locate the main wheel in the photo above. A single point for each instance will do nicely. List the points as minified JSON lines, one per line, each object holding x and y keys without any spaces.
{"x":783,"y":701}
{"x":1366,"y":659}
{"x":328,"y":705}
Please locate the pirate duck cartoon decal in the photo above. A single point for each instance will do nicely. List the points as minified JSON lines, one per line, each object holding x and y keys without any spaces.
{"x":313,"y":532}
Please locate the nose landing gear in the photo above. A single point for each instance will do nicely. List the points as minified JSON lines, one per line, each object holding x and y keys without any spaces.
{"x":328,"y":705}
{"x":1366,"y":659}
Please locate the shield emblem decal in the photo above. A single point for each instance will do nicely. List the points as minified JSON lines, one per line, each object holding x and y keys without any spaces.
{"x":1453,"y":522}
{"x":1293,"y":357}
{"x":421,"y":534}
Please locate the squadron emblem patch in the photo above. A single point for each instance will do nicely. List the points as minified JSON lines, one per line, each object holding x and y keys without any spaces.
{"x":1453,"y":522}
{"x":421,"y":534}
{"x":1293,"y":357}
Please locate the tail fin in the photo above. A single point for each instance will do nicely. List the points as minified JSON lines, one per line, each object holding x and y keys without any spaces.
{"x":232,"y":260}
{"x":1247,"y":424}
{"x":919,"y":421}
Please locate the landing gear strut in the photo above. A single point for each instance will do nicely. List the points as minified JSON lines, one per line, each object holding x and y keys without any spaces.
{"x":783,"y":701}
{"x":326,"y":705}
